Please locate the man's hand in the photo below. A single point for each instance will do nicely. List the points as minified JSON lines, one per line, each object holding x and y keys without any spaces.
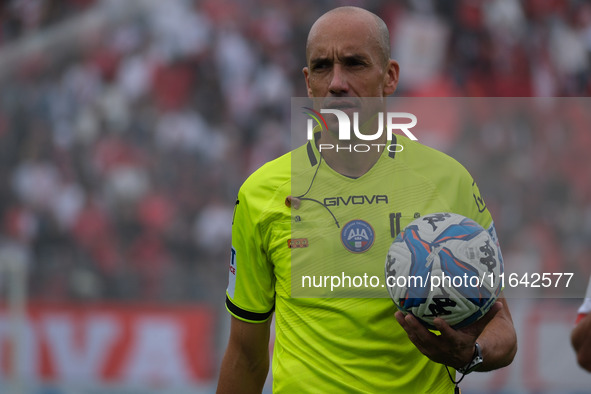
{"x":581,"y":341}
{"x":454,"y":347}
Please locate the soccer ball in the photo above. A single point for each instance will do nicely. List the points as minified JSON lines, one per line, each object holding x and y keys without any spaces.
{"x":446,"y":265}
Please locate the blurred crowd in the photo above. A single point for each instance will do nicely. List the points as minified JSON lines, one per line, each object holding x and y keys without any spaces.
{"x":120,"y":159}
{"x":20,"y":18}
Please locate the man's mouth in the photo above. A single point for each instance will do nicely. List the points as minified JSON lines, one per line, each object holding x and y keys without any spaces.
{"x":342,"y":105}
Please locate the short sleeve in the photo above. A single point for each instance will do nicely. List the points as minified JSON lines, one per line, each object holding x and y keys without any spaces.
{"x":250,"y":295}
{"x":473,"y":204}
{"x":470,"y":203}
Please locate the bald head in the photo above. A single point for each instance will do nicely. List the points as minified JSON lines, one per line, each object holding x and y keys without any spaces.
{"x":352,"y":16}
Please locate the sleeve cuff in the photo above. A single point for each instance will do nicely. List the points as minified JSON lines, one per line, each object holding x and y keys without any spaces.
{"x":252,"y":317}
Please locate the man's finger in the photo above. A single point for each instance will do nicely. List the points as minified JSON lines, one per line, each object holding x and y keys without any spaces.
{"x":413,"y":322}
{"x":400,"y":319}
{"x":443,"y":327}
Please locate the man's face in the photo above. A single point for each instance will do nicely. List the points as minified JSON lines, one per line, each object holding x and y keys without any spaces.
{"x":344,"y":59}
{"x":345,"y":63}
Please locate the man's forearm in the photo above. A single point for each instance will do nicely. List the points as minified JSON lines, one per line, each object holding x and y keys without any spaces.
{"x":498,"y":341}
{"x":239,"y":374}
{"x":246,"y":363}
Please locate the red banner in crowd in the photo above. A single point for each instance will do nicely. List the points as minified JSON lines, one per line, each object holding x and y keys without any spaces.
{"x":112,"y":343}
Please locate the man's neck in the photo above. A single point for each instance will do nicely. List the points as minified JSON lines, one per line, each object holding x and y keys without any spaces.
{"x":349,"y":158}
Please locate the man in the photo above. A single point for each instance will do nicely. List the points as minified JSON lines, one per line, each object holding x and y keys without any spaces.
{"x":581,"y":334}
{"x":284,"y":221}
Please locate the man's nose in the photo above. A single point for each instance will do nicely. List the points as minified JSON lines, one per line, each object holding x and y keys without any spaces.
{"x":338,"y":82}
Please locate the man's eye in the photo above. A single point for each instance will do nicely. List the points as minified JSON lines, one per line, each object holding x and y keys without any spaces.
{"x":320,"y":66}
{"x":355,"y":63}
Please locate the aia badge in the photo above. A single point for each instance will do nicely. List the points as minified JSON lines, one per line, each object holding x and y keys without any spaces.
{"x":357,"y":236}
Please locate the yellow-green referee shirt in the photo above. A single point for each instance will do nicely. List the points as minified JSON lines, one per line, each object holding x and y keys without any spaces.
{"x":339,"y":339}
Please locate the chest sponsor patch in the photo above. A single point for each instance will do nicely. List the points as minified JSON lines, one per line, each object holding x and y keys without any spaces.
{"x":357,"y":236}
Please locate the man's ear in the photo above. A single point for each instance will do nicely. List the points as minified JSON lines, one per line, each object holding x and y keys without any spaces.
{"x":306,"y":72}
{"x":391,"y":77}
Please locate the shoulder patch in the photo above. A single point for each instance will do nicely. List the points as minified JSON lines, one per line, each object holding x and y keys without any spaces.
{"x":232,"y":273}
{"x":480,"y":204}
